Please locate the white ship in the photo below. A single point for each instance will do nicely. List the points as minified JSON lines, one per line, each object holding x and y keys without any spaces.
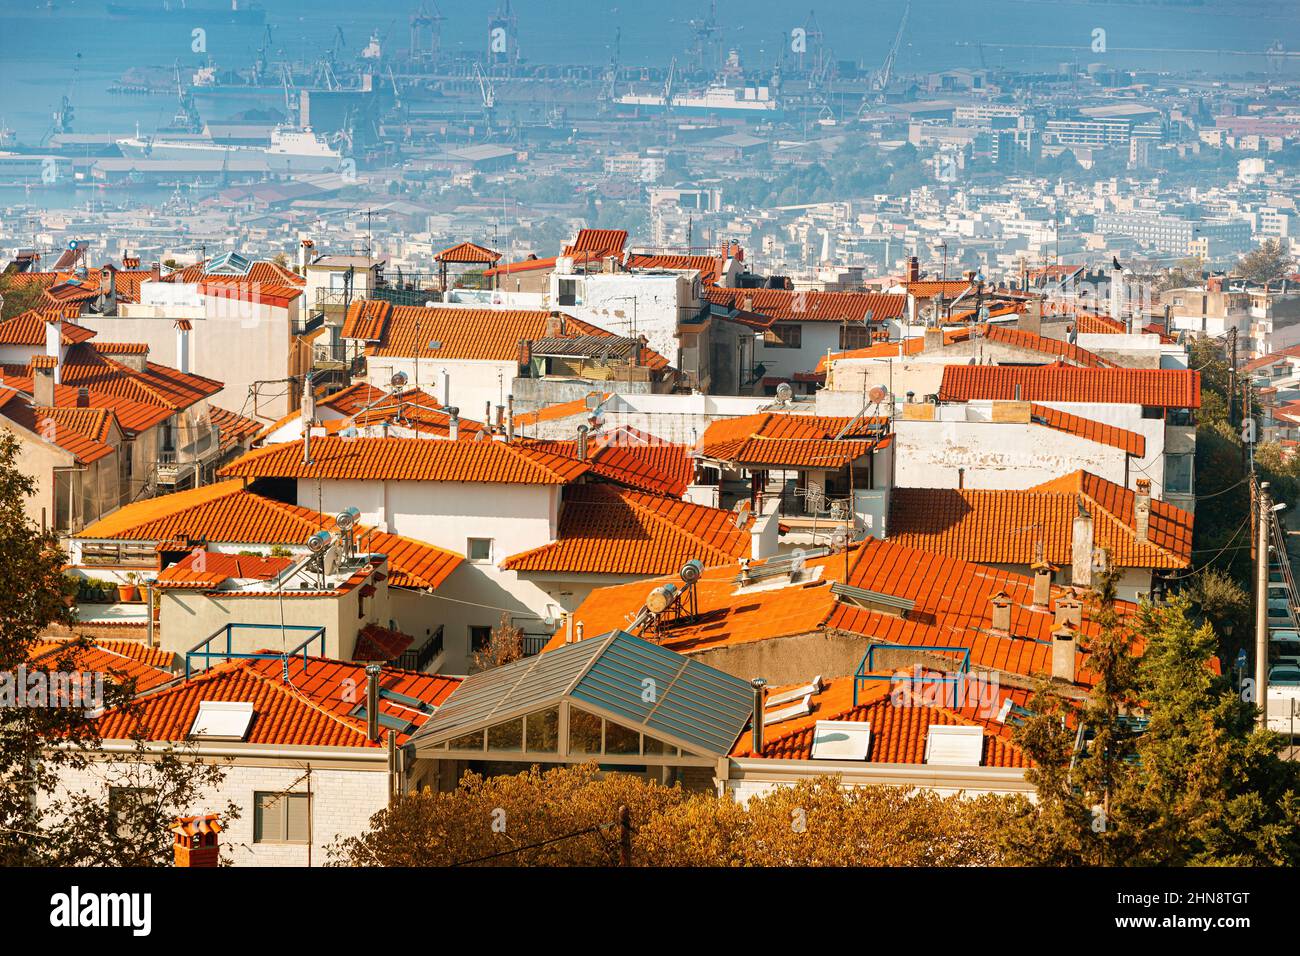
{"x":291,"y":150}
{"x":717,"y":98}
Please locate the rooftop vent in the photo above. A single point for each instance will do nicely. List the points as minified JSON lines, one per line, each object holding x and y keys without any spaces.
{"x":872,"y":600}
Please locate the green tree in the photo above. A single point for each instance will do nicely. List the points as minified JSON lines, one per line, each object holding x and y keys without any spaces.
{"x":17,"y":297}
{"x":1268,"y":263}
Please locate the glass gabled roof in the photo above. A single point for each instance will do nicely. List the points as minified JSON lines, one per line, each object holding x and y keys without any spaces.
{"x":633,"y":681}
{"x":228,"y":264}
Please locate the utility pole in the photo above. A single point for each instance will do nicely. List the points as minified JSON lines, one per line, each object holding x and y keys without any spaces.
{"x":1265,"y":512}
{"x":1232,"y":373}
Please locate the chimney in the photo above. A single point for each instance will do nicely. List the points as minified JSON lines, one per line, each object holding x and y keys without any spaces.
{"x":756,"y":731}
{"x":568,"y":629}
{"x":1142,"y":509}
{"x":748,"y":303}
{"x":913,"y":269}
{"x":83,"y":397}
{"x":510,"y":418}
{"x":577,"y":631}
{"x":155,"y":272}
{"x":487,"y":415}
{"x":446,"y":387}
{"x":43,"y":374}
{"x":582,"y":443}
{"x":1001,"y":612}
{"x":933,"y":339}
{"x":501,"y":418}
{"x":195,"y":842}
{"x":453,"y":422}
{"x":555,"y":325}
{"x":108,"y":287}
{"x":54,"y":346}
{"x":372,"y":701}
{"x":183,"y":345}
{"x":1069,"y":610}
{"x":1081,"y":549}
{"x":1042,"y":583}
{"x":1063,"y":645}
{"x":1031,"y":319}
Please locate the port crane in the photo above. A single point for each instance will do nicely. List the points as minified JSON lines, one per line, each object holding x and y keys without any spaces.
{"x":880,"y":81}
{"x":426,"y":33}
{"x":64,"y":114}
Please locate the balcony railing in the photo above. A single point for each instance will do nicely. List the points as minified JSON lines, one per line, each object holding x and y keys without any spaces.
{"x":533,"y":643}
{"x":419,"y":658}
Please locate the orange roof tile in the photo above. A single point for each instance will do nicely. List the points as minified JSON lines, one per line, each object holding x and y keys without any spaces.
{"x":1168,"y":388}
{"x":84,"y":433}
{"x":232,"y":428}
{"x":1131,"y":442}
{"x":227,"y":514}
{"x":598,"y":242}
{"x":794,"y":441}
{"x":305,"y":710}
{"x":607,"y":530}
{"x":709,"y":267}
{"x":132,"y":416}
{"x":28,"y":328}
{"x":122,"y":660}
{"x":1023,"y":338}
{"x":952,"y":608}
{"x":409,"y":459}
{"x":1007,"y":527}
{"x":631,"y":457}
{"x":204,"y":570}
{"x":898,"y":734}
{"x":787,"y":306}
{"x":467,"y":252}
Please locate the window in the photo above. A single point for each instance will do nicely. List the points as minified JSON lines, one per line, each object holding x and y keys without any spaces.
{"x":508,"y":736}
{"x":124,"y":803}
{"x":281,"y":817}
{"x":584,"y":732}
{"x":854,"y":337}
{"x":479,"y":549}
{"x":542,"y":731}
{"x":784,"y":335}
{"x":480,"y":636}
{"x":1178,"y":474}
{"x":568,"y":292}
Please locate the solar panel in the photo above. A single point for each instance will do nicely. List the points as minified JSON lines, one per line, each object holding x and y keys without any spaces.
{"x":841,"y":740}
{"x":954,"y":745}
{"x":222,"y":719}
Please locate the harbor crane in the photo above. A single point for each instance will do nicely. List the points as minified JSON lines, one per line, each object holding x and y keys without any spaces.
{"x":880,"y":80}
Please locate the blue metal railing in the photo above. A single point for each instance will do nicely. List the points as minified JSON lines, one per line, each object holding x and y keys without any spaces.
{"x":868,"y":664}
{"x":202,"y":651}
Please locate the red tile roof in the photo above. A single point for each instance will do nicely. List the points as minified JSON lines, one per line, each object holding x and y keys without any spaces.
{"x":121,"y":660}
{"x":952,"y":608}
{"x":463,"y":333}
{"x":709,"y":267}
{"x":598,"y":242}
{"x":28,"y":328}
{"x":607,"y":530}
{"x":1167,"y":388}
{"x":467,"y":252}
{"x":794,"y":441}
{"x":1008,"y":527}
{"x":132,"y":416}
{"x":84,"y":433}
{"x":225,"y":513}
{"x":233,"y":429}
{"x":409,"y":459}
{"x":1022,"y":338}
{"x":900,"y":724}
{"x":208,"y":570}
{"x":153,"y":385}
{"x":631,"y":457}
{"x":1131,"y":442}
{"x":787,"y":306}
{"x":306,"y":710}
{"x":375,"y":643}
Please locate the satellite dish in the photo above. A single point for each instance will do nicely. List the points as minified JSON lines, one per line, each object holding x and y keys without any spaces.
{"x":784,"y":392}
{"x":692,"y":570}
{"x":878,"y":394}
{"x":398,"y":380}
{"x":661,"y":598}
{"x":318,"y":542}
{"x":840,"y":539}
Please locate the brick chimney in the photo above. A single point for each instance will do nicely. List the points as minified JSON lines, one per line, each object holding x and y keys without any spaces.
{"x":196,"y":842}
{"x":1081,"y":549}
{"x":555,"y":325}
{"x":155,"y":272}
{"x":1063,"y":647}
{"x":913,"y":269}
{"x":1142,"y":509}
{"x":83,"y":397}
{"x":1001,"y":612}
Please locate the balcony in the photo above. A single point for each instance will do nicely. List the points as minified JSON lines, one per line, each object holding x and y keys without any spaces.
{"x":419,"y":658}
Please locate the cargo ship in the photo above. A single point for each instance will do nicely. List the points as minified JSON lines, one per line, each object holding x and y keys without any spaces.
{"x":291,"y":150}
{"x":717,"y":99}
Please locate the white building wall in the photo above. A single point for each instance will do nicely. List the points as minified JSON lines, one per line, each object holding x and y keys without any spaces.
{"x":343,"y":801}
{"x":633,"y":303}
{"x":466,"y":385}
